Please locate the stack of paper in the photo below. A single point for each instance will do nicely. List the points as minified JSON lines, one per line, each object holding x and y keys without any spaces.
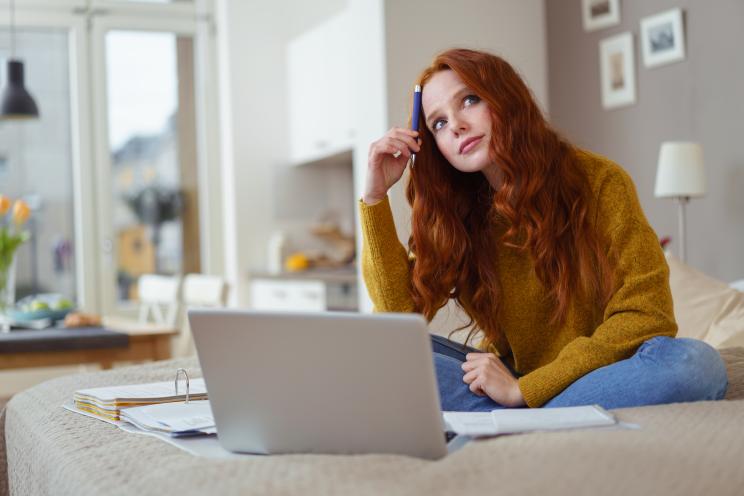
{"x":509,"y":421}
{"x":175,"y":419}
{"x":108,"y":402}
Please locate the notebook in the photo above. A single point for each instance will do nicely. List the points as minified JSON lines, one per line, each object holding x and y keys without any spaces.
{"x":107,"y":402}
{"x":509,"y":421}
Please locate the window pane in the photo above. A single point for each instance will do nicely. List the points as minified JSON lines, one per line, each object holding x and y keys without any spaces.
{"x":153,"y":155}
{"x":36,"y":162}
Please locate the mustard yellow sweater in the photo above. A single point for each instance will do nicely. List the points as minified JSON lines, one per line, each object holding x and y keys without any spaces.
{"x":551,"y":357}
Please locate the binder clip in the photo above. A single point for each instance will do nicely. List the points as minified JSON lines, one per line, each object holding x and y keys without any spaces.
{"x":186,"y":376}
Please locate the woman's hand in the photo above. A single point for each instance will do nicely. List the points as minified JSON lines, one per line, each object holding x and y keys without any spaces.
{"x":387,"y":161}
{"x":487,"y":375}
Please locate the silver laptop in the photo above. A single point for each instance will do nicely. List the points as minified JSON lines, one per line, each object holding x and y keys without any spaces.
{"x":320,"y":382}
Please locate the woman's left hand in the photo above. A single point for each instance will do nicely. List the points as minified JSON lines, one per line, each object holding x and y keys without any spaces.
{"x":487,"y":375}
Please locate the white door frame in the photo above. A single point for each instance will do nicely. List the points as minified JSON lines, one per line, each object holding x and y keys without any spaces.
{"x":101,"y":26}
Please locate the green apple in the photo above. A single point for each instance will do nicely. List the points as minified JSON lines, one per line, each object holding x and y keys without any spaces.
{"x":63,"y":304}
{"x":38,"y":305}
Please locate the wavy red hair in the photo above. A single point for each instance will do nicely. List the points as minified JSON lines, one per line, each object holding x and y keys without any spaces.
{"x":542,"y":204}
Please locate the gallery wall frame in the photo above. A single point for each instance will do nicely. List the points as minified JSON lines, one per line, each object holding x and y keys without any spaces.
{"x":617,"y":70}
{"x":598,"y":14}
{"x":663,"y":38}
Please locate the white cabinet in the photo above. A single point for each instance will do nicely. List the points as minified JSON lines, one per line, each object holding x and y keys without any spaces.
{"x":315,"y":291}
{"x":288,"y":295}
{"x":319,"y":91}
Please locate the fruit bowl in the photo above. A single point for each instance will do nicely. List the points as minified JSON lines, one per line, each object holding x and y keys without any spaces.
{"x":50,"y":306}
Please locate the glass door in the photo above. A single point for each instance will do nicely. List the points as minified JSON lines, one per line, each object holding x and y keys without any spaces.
{"x":147,"y":156}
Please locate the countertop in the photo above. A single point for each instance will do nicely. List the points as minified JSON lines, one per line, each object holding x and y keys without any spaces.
{"x":344,"y":275}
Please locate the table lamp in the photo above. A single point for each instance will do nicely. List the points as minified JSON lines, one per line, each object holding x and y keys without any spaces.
{"x":680,"y":175}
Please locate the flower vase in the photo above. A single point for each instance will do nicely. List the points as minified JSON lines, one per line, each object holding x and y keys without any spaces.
{"x":7,"y":291}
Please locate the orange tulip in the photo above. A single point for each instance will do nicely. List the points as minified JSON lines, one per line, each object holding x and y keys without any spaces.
{"x":4,"y":205}
{"x":21,"y":212}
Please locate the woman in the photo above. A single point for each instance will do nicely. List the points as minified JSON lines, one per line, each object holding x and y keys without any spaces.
{"x":545,"y":247}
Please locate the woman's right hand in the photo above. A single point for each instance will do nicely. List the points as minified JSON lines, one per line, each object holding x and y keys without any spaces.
{"x":383,"y":167}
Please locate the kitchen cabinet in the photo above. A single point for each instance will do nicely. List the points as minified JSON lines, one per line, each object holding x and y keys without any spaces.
{"x":310,"y":291}
{"x":319,"y":91}
{"x":278,"y":295}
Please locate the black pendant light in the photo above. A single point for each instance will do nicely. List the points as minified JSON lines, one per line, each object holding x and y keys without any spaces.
{"x":15,"y":100}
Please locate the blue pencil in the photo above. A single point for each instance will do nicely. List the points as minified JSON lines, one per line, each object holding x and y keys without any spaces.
{"x":416,"y":113}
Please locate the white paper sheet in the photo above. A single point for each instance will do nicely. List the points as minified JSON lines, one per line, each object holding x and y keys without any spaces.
{"x":171,"y":417}
{"x":469,"y":423}
{"x":154,"y":390}
{"x":204,"y":445}
{"x":145,"y":391}
{"x":508,"y":421}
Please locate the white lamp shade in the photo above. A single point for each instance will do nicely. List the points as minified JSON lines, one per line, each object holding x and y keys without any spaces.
{"x":681,"y":171}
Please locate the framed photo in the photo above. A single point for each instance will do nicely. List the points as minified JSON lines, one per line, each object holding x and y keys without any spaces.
{"x":662,"y":38}
{"x":598,"y":14}
{"x":617,"y":71}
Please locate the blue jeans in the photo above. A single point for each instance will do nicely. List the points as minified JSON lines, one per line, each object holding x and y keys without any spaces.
{"x":663,"y":370}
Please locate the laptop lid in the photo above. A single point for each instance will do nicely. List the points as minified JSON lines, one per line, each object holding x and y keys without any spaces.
{"x":320,"y":382}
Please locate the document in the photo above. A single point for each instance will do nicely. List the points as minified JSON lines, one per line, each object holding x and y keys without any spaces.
{"x":173,"y":418}
{"x":513,"y":420}
{"x":141,"y":393}
{"x":108,"y":402}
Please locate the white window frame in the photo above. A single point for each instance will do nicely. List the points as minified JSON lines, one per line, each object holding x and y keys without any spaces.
{"x":86,"y":22}
{"x":82,"y":170}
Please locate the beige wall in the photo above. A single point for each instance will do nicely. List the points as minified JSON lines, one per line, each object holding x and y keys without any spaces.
{"x":699,"y":99}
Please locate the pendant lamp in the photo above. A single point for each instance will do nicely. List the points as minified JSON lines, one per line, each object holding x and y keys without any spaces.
{"x":15,"y":100}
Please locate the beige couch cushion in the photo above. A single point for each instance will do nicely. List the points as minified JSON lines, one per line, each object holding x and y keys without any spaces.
{"x":706,"y":308}
{"x":728,"y":328}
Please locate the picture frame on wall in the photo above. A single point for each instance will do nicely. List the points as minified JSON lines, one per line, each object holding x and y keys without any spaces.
{"x":598,"y":14}
{"x":663,"y":38}
{"x":617,"y":71}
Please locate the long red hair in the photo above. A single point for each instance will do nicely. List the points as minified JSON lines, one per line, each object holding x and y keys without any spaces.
{"x":543,"y":204}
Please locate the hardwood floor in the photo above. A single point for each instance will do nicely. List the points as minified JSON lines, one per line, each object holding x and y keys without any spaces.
{"x":3,"y":401}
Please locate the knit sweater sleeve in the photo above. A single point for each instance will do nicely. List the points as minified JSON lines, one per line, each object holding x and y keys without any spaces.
{"x":385,"y":262}
{"x":640,"y":307}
